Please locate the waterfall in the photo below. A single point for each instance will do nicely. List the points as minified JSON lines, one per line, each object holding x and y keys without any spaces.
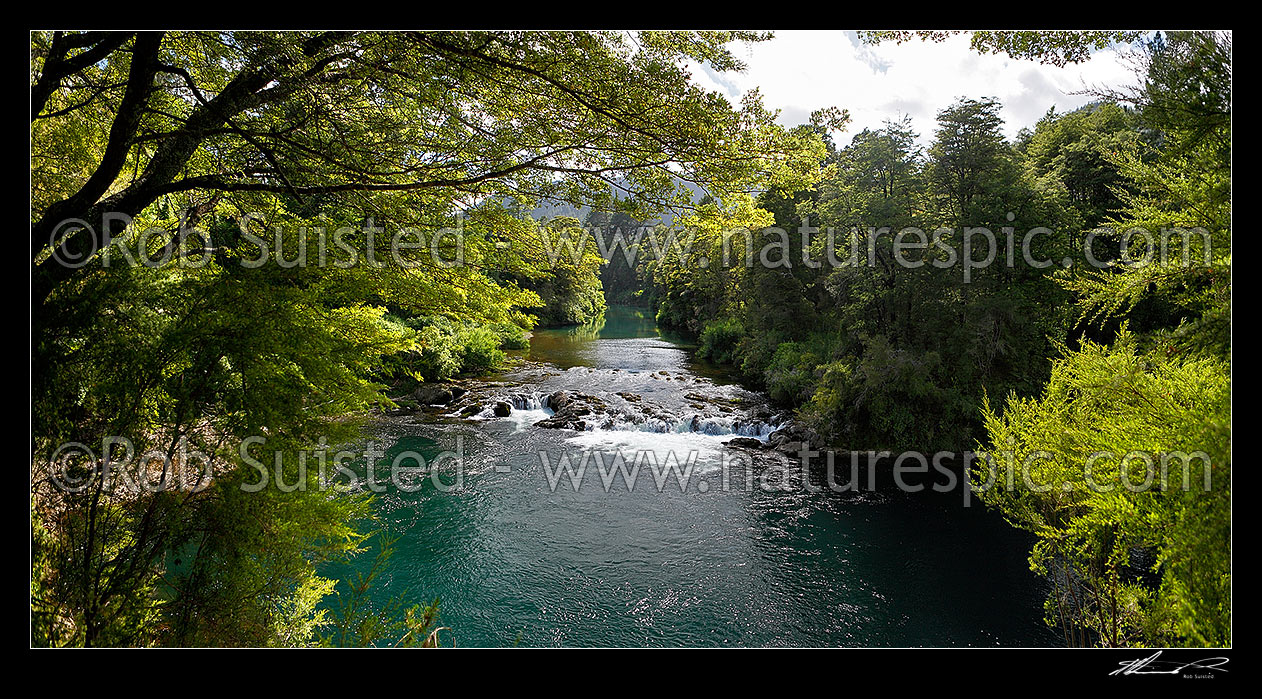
{"x":698,"y":424}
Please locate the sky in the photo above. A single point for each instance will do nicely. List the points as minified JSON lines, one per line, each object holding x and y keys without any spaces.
{"x":801,"y":71}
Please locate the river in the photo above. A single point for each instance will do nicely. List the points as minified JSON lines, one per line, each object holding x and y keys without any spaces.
{"x":518,"y":556}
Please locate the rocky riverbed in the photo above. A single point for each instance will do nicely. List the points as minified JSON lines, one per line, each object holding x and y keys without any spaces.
{"x":592,"y":400}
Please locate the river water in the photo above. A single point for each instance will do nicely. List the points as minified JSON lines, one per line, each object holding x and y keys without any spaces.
{"x":519,"y":556}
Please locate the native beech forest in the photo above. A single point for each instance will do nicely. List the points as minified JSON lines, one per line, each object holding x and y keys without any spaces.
{"x":266,"y":142}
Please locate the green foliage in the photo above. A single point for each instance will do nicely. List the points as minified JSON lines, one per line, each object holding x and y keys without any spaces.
{"x":889,"y":398}
{"x":248,"y":578}
{"x":1150,"y":419}
{"x":1148,"y":565}
{"x":1056,"y":47}
{"x":719,"y":340}
{"x":439,"y":357}
{"x":194,"y":129}
{"x":444,"y":348}
{"x":857,"y":340}
{"x":357,"y":621}
{"x":1074,"y":150}
{"x":622,"y":238}
{"x":571,"y":292}
{"x":971,"y":165}
{"x":790,"y":376}
{"x":883,"y":355}
{"x":510,"y":336}
{"x":1180,"y":194}
{"x":479,"y":350}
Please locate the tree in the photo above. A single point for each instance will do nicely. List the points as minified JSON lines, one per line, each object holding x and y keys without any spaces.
{"x":970,"y":162}
{"x":621,"y":238}
{"x":1179,"y":194}
{"x":571,"y":294}
{"x":1148,"y":565}
{"x":1137,"y":545}
{"x":1074,"y":149}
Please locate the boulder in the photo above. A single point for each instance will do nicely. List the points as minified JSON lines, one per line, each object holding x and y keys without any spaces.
{"x":793,"y":439}
{"x":563,"y":422}
{"x":503,"y":408}
{"x":432,"y":394}
{"x":558,"y":401}
{"x":569,"y":409}
{"x":745,"y":443}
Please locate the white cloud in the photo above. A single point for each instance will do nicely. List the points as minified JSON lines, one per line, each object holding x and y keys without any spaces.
{"x":800,"y":71}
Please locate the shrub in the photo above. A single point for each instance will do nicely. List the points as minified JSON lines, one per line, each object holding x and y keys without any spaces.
{"x":479,"y":349}
{"x":437,"y":360}
{"x":719,"y":340}
{"x":790,"y":378}
{"x":510,"y":336}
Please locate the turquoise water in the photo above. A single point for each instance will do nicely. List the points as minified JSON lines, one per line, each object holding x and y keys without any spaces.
{"x":516,"y":561}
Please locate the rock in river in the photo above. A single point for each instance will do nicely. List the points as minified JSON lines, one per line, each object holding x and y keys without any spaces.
{"x":745,"y":442}
{"x":432,"y":394}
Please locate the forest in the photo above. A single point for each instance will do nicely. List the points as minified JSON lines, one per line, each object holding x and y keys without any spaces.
{"x":184,"y":183}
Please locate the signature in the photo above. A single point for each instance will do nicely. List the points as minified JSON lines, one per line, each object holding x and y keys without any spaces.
{"x":1152,"y":666}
